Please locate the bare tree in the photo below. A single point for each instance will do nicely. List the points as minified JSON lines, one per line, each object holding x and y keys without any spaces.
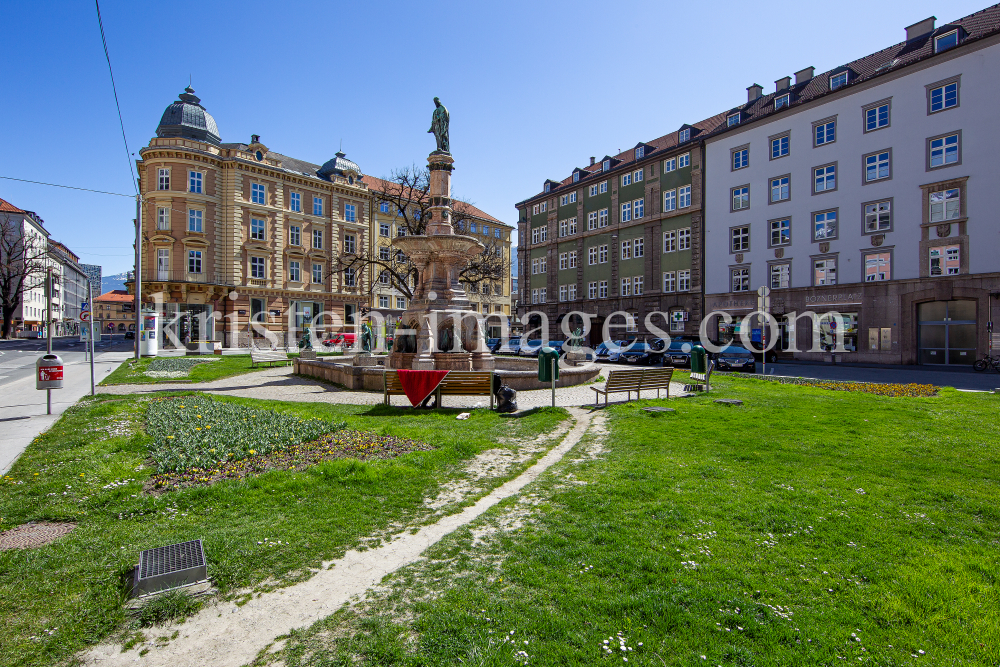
{"x":23,"y":261}
{"x":406,"y":193}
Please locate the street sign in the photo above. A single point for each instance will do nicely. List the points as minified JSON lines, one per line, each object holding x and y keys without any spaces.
{"x":85,"y":316}
{"x":85,"y":306}
{"x":763,"y":291}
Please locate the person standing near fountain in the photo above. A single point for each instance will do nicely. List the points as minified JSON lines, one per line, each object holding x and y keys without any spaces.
{"x":439,"y":127}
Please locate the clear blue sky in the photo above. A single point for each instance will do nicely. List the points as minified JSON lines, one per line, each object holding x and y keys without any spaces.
{"x":534,"y":88}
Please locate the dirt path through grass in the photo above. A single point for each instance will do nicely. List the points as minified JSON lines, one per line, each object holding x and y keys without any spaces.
{"x":228,"y":635}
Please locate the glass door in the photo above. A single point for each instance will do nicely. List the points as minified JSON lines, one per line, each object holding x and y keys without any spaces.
{"x":162,"y":264}
{"x":946,"y":332}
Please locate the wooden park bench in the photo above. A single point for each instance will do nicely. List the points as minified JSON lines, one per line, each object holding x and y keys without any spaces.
{"x":634,"y":380}
{"x":259,"y":356}
{"x":455,"y":383}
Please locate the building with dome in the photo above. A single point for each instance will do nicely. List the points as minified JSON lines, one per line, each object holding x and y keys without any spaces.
{"x":236,"y":232}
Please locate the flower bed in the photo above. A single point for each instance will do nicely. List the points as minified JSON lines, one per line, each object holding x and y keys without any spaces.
{"x":173,"y":367}
{"x":879,"y":388}
{"x":342,"y":444}
{"x":198,"y":432}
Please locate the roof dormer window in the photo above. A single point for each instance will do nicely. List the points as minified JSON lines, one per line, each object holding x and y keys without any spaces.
{"x":838,"y":80}
{"x":684,"y":135}
{"x":733,"y":119}
{"x":782,"y":101}
{"x":945,"y":41}
{"x":639,"y":152}
{"x":548,"y":187}
{"x":576,"y":177}
{"x":606,"y":165}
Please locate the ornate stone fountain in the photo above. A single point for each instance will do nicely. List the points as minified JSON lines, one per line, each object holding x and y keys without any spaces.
{"x":439,"y":331}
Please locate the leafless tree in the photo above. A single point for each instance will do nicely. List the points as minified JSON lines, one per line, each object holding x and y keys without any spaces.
{"x":23,"y":261}
{"x":406,"y":194}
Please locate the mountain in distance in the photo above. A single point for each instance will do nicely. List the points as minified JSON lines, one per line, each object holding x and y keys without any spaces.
{"x":116,"y":281}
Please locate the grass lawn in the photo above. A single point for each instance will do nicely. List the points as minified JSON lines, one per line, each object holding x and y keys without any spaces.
{"x":198,"y":369}
{"x":806,"y":527}
{"x":263,"y":531}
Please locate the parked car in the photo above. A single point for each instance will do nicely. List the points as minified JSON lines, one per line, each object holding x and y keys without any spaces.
{"x":345,"y":339}
{"x":492,"y":344}
{"x":641,"y":353}
{"x":510,"y":346}
{"x":530,"y":348}
{"x":610,"y":350}
{"x":734,"y":357}
{"x":679,"y":353}
{"x":129,"y":335}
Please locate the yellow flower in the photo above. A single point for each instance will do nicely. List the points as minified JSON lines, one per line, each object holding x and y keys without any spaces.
{"x":252,"y":451}
{"x":198,"y":428}
{"x":199,"y":416}
{"x":82,"y":475}
{"x":170,"y":437}
{"x":212,"y":451}
{"x":209,"y":426}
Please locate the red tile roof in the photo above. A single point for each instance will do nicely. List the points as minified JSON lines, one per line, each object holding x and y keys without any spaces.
{"x":7,"y":207}
{"x":115,"y":296}
{"x":379,"y":184}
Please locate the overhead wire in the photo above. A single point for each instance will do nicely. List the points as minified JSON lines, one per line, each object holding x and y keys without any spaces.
{"x":128,"y":153}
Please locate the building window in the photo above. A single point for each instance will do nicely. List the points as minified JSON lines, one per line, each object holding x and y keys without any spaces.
{"x":194,"y":220}
{"x":779,"y":276}
{"x":194,"y":182}
{"x":563,"y":291}
{"x":684,"y":196}
{"x":824,"y":225}
{"x":592,"y":290}
{"x":781,"y":232}
{"x":534,"y":266}
{"x":780,"y":188}
{"x":534,"y":210}
{"x":878,"y":216}
{"x":383,"y":301}
{"x":878,"y":267}
{"x":945,"y":260}
{"x":163,"y":179}
{"x":877,"y":166}
{"x":383,"y":277}
{"x":606,"y":165}
{"x":567,"y":227}
{"x":293,"y":272}
{"x":256,"y":229}
{"x":401,"y":302}
{"x":576,"y":177}
{"x":741,"y":158}
{"x":542,"y":296}
{"x":384,"y":229}
{"x":669,"y":165}
{"x":562,"y":201}
{"x":194,"y":261}
{"x":548,"y":187}
{"x":257,"y":193}
{"x":638,"y":207}
{"x":401,"y":231}
{"x":877,"y":117}
{"x":350,"y":213}
{"x":782,"y":101}
{"x":733,"y":119}
{"x":592,"y":256}
{"x":318,"y":239}
{"x":779,"y":147}
{"x":741,"y":198}
{"x":350,"y":244}
{"x":944,"y":151}
{"x":486,"y":228}
{"x":684,"y":161}
{"x":294,"y":235}
{"x":739,"y":239}
{"x":638,"y":248}
{"x":639,"y":152}
{"x":626,"y":250}
{"x":563,"y":260}
{"x":535,"y":235}
{"x":318,"y":206}
{"x":257,"y":268}
{"x":626,"y":287}
{"x":684,"y":239}
{"x":684,"y":135}
{"x":295,"y":202}
{"x":626,"y":212}
{"x":592,"y":220}
{"x":669,"y":200}
{"x":669,"y":241}
{"x":593,"y":190}
{"x":945,"y":41}
{"x":543,"y":262}
{"x":669,"y":281}
{"x":602,"y":218}
{"x":684,"y":280}
{"x":945,"y":205}
{"x":603,"y":187}
{"x":637,"y":175}
{"x":572,"y":259}
{"x":496,"y":232}
{"x":838,"y":81}
{"x":602,"y":254}
{"x":384,"y":253}
{"x":943,"y":97}
{"x":637,"y":283}
{"x":383,"y":207}
{"x":740,"y":279}
{"x":824,"y":132}
{"x":163,"y":218}
{"x":317,"y":276}
{"x":825,"y":271}
{"x":825,"y":178}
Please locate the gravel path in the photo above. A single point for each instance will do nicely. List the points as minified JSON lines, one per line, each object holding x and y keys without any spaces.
{"x":280,"y":384}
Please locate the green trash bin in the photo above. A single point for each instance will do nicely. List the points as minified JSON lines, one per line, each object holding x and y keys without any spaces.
{"x":699,"y":359}
{"x":545,"y":358}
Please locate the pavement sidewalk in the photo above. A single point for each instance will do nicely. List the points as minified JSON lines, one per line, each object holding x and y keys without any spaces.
{"x":22,"y":407}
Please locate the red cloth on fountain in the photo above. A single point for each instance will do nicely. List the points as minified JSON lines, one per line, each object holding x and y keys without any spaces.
{"x":418,"y":385}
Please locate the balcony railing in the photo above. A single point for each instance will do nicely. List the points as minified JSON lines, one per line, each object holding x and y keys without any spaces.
{"x":162,"y":275}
